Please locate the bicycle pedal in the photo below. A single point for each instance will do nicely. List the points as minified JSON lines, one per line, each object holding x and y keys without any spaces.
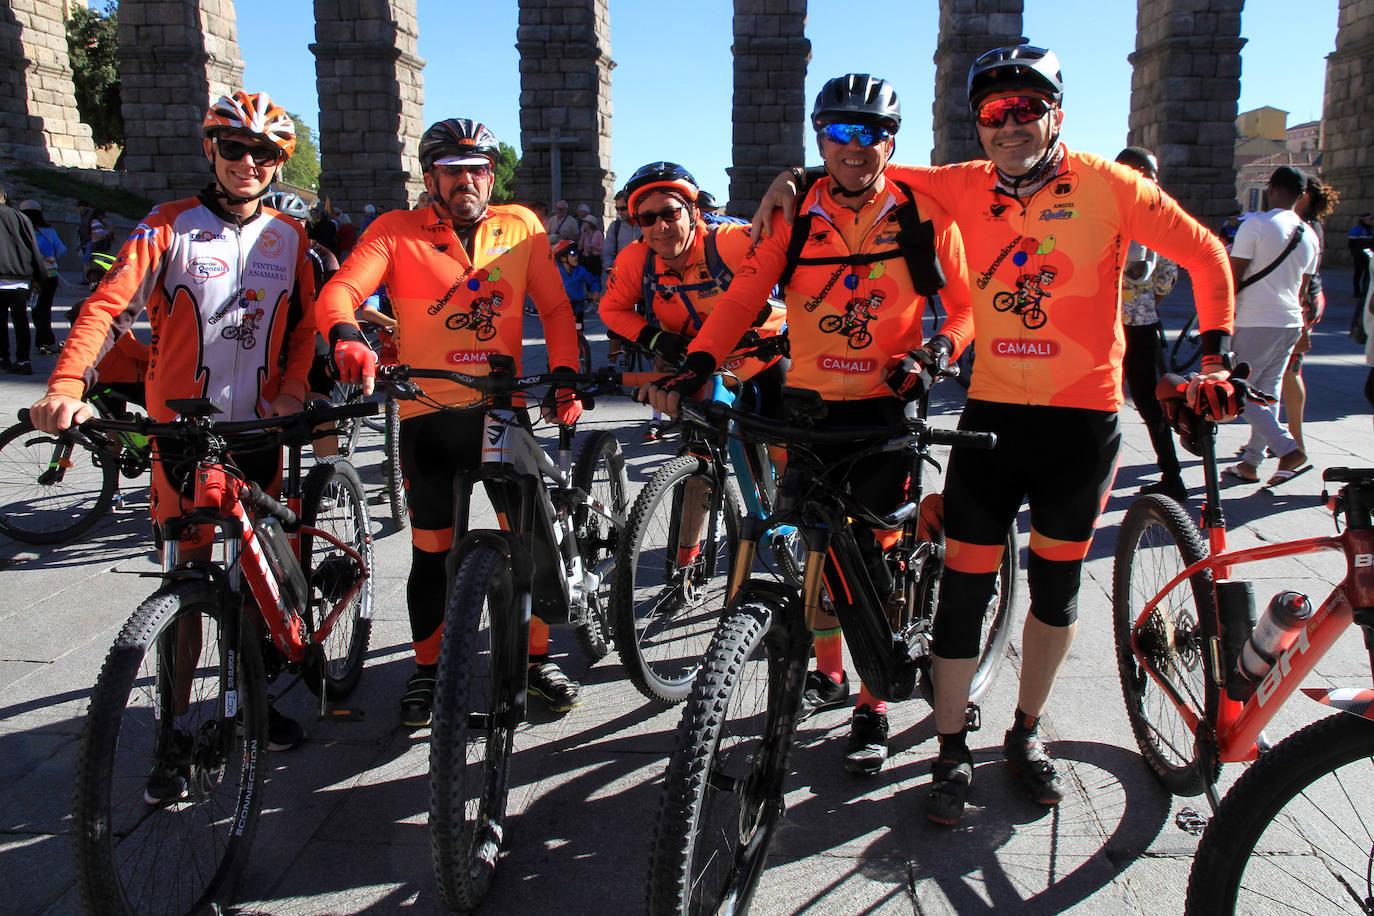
{"x":1190,"y":821}
{"x":344,"y":714}
{"x":973,"y":717}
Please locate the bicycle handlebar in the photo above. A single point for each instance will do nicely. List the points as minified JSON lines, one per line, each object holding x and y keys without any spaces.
{"x":603,"y":381}
{"x":715,"y":416}
{"x":265,"y":504}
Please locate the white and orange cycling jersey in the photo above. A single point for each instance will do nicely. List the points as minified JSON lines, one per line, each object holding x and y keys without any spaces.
{"x":452,"y":311}
{"x":224,"y":298}
{"x":1046,"y":273}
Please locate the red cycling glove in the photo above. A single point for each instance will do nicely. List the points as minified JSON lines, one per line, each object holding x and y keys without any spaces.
{"x":354,"y":361}
{"x":1219,"y":399}
{"x":562,"y":404}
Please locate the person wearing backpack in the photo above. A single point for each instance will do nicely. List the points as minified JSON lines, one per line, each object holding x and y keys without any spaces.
{"x":857,"y":266}
{"x":1273,"y":261}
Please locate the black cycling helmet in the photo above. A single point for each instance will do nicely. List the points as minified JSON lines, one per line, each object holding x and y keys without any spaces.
{"x":1023,"y":67}
{"x":457,"y":139}
{"x":660,"y":176}
{"x":857,"y":97}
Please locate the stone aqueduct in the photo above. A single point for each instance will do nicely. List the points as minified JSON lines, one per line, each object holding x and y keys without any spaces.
{"x":176,"y":54}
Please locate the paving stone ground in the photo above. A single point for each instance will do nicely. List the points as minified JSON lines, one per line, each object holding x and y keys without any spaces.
{"x":344,"y":828}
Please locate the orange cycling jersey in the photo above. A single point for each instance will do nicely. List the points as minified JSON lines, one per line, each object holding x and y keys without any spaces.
{"x":126,"y":362}
{"x":682,"y":299}
{"x":453,"y":310}
{"x":1047,"y":273}
{"x":847,"y":324}
{"x":224,"y":297}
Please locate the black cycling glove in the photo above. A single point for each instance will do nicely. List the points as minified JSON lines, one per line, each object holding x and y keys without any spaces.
{"x":696,"y":372}
{"x":911,"y":378}
{"x":671,"y":347}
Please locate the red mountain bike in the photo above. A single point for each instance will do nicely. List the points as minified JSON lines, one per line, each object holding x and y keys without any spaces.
{"x":1202,"y":677}
{"x":170,"y":763}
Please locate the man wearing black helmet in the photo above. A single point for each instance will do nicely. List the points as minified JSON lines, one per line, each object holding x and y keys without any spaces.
{"x":870,"y":252}
{"x":1046,"y":230}
{"x":458,"y":256}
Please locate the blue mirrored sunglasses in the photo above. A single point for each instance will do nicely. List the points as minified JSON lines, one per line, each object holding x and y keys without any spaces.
{"x":866,"y":134}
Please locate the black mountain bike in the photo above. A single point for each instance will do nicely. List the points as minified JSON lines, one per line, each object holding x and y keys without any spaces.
{"x":724,"y":787}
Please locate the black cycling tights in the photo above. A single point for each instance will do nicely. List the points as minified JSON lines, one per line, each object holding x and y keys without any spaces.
{"x":433,"y":447}
{"x":1062,"y":460}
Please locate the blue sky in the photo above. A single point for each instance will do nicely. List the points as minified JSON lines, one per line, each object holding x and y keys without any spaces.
{"x":672,"y":84}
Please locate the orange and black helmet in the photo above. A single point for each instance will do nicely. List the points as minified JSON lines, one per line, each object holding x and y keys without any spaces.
{"x":457,"y":141}
{"x":660,"y":176}
{"x":254,"y":113}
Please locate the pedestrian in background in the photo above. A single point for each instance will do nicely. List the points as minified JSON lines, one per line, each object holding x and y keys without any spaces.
{"x":590,"y":242}
{"x":50,"y":244}
{"x":102,"y":238}
{"x":21,"y":269}
{"x":562,"y":225}
{"x":1361,"y":241}
{"x":1314,"y":206}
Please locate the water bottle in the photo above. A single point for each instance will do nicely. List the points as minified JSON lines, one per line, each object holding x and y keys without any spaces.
{"x":1287,"y":613}
{"x":285,"y":568}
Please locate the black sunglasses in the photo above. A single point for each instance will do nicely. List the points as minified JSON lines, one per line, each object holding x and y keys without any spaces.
{"x":234,"y":150}
{"x":647,"y":218}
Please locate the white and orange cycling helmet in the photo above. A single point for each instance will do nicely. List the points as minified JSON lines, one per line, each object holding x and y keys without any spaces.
{"x":254,"y":113}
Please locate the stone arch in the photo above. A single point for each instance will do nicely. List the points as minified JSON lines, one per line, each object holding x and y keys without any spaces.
{"x":967,"y":29}
{"x":38,"y":117}
{"x":1348,"y":121}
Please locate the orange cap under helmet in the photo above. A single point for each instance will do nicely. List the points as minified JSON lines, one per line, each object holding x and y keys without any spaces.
{"x":255,"y":113}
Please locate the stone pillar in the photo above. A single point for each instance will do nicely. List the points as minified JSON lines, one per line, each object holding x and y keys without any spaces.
{"x":175,"y":57}
{"x":967,"y":29}
{"x":565,"y":102}
{"x":1348,"y":124}
{"x":770,"y":108}
{"x":1184,"y":88}
{"x":371,"y":86}
{"x":38,"y":117}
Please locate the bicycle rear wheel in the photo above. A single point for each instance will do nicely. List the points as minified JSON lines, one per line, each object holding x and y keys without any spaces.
{"x":1293,"y":835}
{"x":1187,"y":346}
{"x":333,"y":500}
{"x":1157,"y":542}
{"x":600,"y":473}
{"x":391,"y":465}
{"x":472,"y":735}
{"x":184,"y":851}
{"x":722,"y":794}
{"x":51,"y":489}
{"x":668,"y":596}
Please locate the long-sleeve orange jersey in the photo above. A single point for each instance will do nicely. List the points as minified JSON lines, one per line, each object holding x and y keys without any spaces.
{"x":683,"y":299}
{"x":1046,"y":273}
{"x":847,"y":324}
{"x":224,"y":299}
{"x":453,"y":311}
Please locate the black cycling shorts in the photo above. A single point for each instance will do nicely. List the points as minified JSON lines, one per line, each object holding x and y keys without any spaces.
{"x":1060,"y":459}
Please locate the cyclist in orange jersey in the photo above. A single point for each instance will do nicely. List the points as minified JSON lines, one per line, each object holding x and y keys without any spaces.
{"x":457,"y":273}
{"x":231,"y":300}
{"x":857,"y":269}
{"x":1048,"y":381}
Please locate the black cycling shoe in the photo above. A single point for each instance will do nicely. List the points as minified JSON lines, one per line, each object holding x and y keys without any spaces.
{"x":417,"y":703}
{"x":952,"y":778}
{"x":1172,"y":487}
{"x":1026,"y":755}
{"x":167,"y":783}
{"x":823,"y":693}
{"x":867,"y":750}
{"x":558,"y":691}
{"x":283,"y":732}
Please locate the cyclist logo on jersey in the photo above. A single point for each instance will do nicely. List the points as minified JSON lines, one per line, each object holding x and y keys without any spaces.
{"x":481,"y":320}
{"x":854,"y":323}
{"x":1030,"y":289}
{"x":246,"y":331}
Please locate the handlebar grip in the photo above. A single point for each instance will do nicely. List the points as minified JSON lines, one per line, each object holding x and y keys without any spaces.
{"x":266,"y":504}
{"x":963,"y":438}
{"x":24,"y":415}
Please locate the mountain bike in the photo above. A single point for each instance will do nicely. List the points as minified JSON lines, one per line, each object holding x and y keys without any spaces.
{"x":1201,"y":681}
{"x":54,"y":488}
{"x":554,"y":559}
{"x":724,"y":787}
{"x":183,"y":689}
{"x":674,"y":559}
{"x":387,"y":422}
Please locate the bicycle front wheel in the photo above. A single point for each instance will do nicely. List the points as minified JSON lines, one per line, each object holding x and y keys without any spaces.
{"x":1157,"y":542}
{"x":1187,"y":347}
{"x":598,"y":522}
{"x":722,"y":794}
{"x":50,"y":488}
{"x":472,"y":734}
{"x":166,"y":803}
{"x":671,"y":576}
{"x":1293,"y":835}
{"x":333,"y":500}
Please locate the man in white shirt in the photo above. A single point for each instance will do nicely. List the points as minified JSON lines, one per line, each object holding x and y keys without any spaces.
{"x":1272,"y":269}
